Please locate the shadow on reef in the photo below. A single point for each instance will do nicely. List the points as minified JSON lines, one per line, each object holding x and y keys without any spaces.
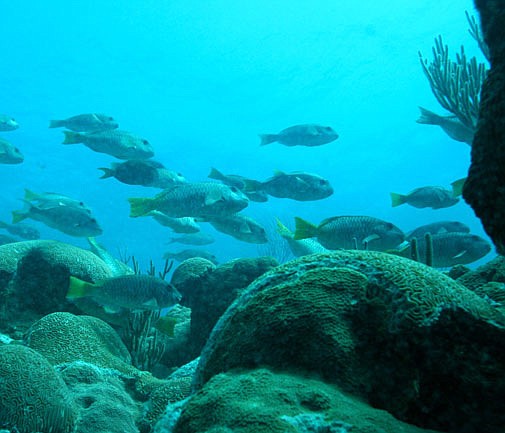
{"x":341,"y":341}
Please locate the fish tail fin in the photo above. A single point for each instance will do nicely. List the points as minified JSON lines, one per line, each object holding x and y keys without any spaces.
{"x":166,"y":325}
{"x":56,"y":123}
{"x":215,"y":174}
{"x":140,"y":206}
{"x":397,"y":199}
{"x":457,"y":187}
{"x":18,"y":215}
{"x":78,"y":288}
{"x":304,"y":229}
{"x":267,"y":139}
{"x":428,"y":117}
{"x":283,"y":230}
{"x":30,"y":195}
{"x":252,"y":185}
{"x":72,"y":137}
{"x":107,"y":172}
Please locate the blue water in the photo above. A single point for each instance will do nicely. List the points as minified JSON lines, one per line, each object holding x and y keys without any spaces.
{"x":200,"y":80}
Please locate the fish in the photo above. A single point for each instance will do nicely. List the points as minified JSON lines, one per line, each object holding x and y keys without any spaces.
{"x":351,"y":232}
{"x":51,"y":199}
{"x":132,"y":292}
{"x":10,"y":154}
{"x":143,"y":172}
{"x":298,"y":186}
{"x":190,"y":253}
{"x":68,"y":219}
{"x":117,"y":267}
{"x":166,"y":325}
{"x":199,"y":199}
{"x":90,"y":122}
{"x":436,"y":228}
{"x":451,"y":125}
{"x":452,"y":248}
{"x":301,"y":135}
{"x":240,"y":227}
{"x":435,"y":197}
{"x":178,"y":225}
{"x":193,"y":239}
{"x":238,"y":182}
{"x":8,"y":123}
{"x":22,"y":230}
{"x":115,"y":142}
{"x":301,"y":247}
{"x":457,"y":186}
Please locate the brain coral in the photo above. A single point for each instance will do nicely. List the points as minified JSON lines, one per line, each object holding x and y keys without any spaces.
{"x":261,"y":401}
{"x":380,"y":326}
{"x":64,"y":337}
{"x":33,"y":398}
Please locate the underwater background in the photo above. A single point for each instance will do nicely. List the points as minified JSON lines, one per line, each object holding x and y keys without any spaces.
{"x":201,"y":80}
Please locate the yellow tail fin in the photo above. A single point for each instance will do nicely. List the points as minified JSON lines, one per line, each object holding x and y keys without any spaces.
{"x":304,"y":229}
{"x":397,"y":199}
{"x":140,"y":206}
{"x":78,"y":288}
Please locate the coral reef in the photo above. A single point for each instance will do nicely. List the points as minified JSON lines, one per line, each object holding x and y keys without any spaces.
{"x":65,"y":337}
{"x":261,"y":401}
{"x":384,"y":328}
{"x":484,"y":188}
{"x":34,"y":279}
{"x":208,"y":292}
{"x":33,"y":398}
{"x":104,"y":403}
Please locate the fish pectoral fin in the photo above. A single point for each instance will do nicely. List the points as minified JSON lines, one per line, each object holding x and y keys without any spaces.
{"x":312,"y":130}
{"x":151,"y":303}
{"x":111,"y":309}
{"x":213,"y":197}
{"x":244,"y":228}
{"x":459,"y":255}
{"x":371,"y":238}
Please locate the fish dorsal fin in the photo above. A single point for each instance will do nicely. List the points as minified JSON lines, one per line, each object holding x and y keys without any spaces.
{"x":213,"y":197}
{"x":279,"y":173}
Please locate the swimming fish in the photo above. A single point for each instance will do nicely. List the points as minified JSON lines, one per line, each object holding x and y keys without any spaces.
{"x":8,"y":123}
{"x":301,"y":135}
{"x":89,"y":122}
{"x":178,"y":225}
{"x":115,"y":142}
{"x":199,"y":199}
{"x":22,"y":230}
{"x":240,"y":227}
{"x":451,"y":125}
{"x":436,"y":228}
{"x":298,"y":186}
{"x":69,"y":219}
{"x":10,"y":154}
{"x":193,"y":239}
{"x":133,"y":292}
{"x":189,"y":253}
{"x":351,"y":232}
{"x":435,"y":197}
{"x":145,"y":172}
{"x":452,"y":248}
{"x":300,"y":247}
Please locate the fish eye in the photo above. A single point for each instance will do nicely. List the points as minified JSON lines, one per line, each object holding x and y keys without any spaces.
{"x":16,"y":150}
{"x":110,"y":118}
{"x":145,"y":141}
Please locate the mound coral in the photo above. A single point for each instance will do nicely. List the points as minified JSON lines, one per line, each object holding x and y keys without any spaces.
{"x":382,"y":327}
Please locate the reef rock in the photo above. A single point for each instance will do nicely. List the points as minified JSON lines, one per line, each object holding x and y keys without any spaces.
{"x":394,"y":332}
